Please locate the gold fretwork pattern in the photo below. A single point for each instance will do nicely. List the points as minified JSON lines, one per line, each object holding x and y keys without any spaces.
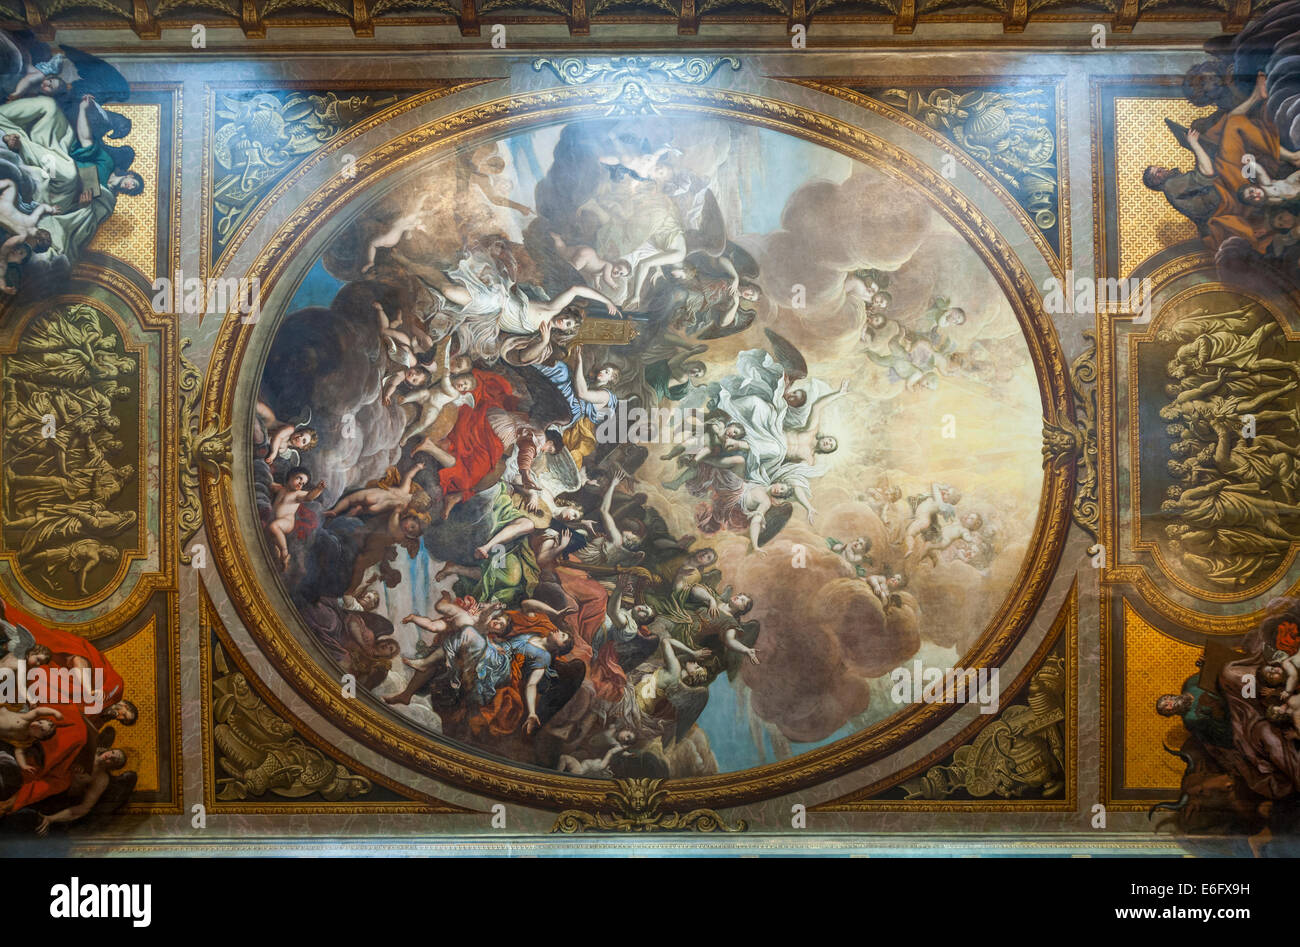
{"x":136,"y":659}
{"x":1154,"y":664}
{"x":131,"y":233}
{"x":1147,"y":223}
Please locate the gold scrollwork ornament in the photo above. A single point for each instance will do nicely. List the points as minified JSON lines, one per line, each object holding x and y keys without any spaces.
{"x":638,"y":806}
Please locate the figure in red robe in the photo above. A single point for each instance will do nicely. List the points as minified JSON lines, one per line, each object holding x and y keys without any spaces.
{"x":74,"y":652}
{"x":61,"y":754}
{"x":472,"y":445}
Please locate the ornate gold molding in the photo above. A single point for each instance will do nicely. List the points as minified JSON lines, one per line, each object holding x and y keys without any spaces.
{"x":229,"y":663}
{"x":133,"y":301}
{"x":638,"y":806}
{"x":207,"y":449}
{"x":1197,"y":270}
{"x":1058,"y":261}
{"x":1076,"y":438}
{"x":328,"y":149}
{"x":1062,"y":640}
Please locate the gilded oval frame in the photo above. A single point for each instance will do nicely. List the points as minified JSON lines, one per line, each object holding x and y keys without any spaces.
{"x":479,"y":772}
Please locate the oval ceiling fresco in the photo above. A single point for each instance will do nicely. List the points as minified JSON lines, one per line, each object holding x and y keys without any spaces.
{"x":662,"y":446}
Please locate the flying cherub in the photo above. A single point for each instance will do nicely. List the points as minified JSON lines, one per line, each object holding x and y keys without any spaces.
{"x":929,"y":509}
{"x":456,"y":383}
{"x":379,"y":496}
{"x":284,"y":509}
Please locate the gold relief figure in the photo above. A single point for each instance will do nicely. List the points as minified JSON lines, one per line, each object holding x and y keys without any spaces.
{"x":67,"y":392}
{"x":1234,"y":426}
{"x":78,"y":557}
{"x":261,"y":753}
{"x":1007,"y":132}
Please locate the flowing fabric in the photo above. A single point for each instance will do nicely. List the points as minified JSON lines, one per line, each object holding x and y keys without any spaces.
{"x":66,"y":646}
{"x":472,"y":441}
{"x":60,"y":753}
{"x":605,"y":673}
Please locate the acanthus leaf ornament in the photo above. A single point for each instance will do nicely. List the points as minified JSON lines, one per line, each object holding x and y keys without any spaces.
{"x":1077,"y":438}
{"x":636,"y":95}
{"x":638,"y":806}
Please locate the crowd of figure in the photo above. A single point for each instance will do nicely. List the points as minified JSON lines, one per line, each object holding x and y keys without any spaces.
{"x":1234,"y":421}
{"x":572,"y":626}
{"x":65,"y":461}
{"x":59,"y":176}
{"x":567,"y":624}
{"x":58,"y":761}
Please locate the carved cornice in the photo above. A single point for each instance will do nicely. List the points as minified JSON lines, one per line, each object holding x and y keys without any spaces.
{"x":149,"y":19}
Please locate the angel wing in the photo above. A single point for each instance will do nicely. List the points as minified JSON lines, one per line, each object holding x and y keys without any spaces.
{"x":95,"y":77}
{"x":18,"y":640}
{"x":710,"y":235}
{"x":775,"y":521}
{"x":688,"y":703}
{"x":784,"y":351}
{"x":13,"y":64}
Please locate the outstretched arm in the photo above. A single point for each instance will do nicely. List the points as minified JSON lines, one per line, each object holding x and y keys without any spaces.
{"x":819,"y":407}
{"x":556,"y":305}
{"x":614,"y":607}
{"x":598,"y":397}
{"x":756,"y":520}
{"x":606,"y":501}
{"x":455,"y":614}
{"x":98,"y":783}
{"x":1203,"y":162}
{"x":533,"y":723}
{"x":84,"y":137}
{"x":406,"y":481}
{"x":446,"y":384}
{"x":1257,"y":95}
{"x":804,"y":496}
{"x":671,"y":664}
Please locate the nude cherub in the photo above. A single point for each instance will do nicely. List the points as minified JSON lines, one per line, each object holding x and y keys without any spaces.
{"x":372,"y":501}
{"x":611,"y":276}
{"x":597,"y":767}
{"x":1290,"y":666}
{"x":966,"y":529}
{"x":284,"y":508}
{"x":939,"y":504}
{"x":885,"y":586}
{"x":284,"y":439}
{"x":457,"y":381}
{"x":15,"y":221}
{"x":22,"y":730}
{"x":853,"y":554}
{"x":391,"y":237}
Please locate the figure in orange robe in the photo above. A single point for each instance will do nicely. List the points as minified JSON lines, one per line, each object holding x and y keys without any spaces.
{"x":1239,"y":136}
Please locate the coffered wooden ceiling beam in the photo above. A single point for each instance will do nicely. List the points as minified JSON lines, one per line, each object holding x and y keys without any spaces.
{"x":148,"y":19}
